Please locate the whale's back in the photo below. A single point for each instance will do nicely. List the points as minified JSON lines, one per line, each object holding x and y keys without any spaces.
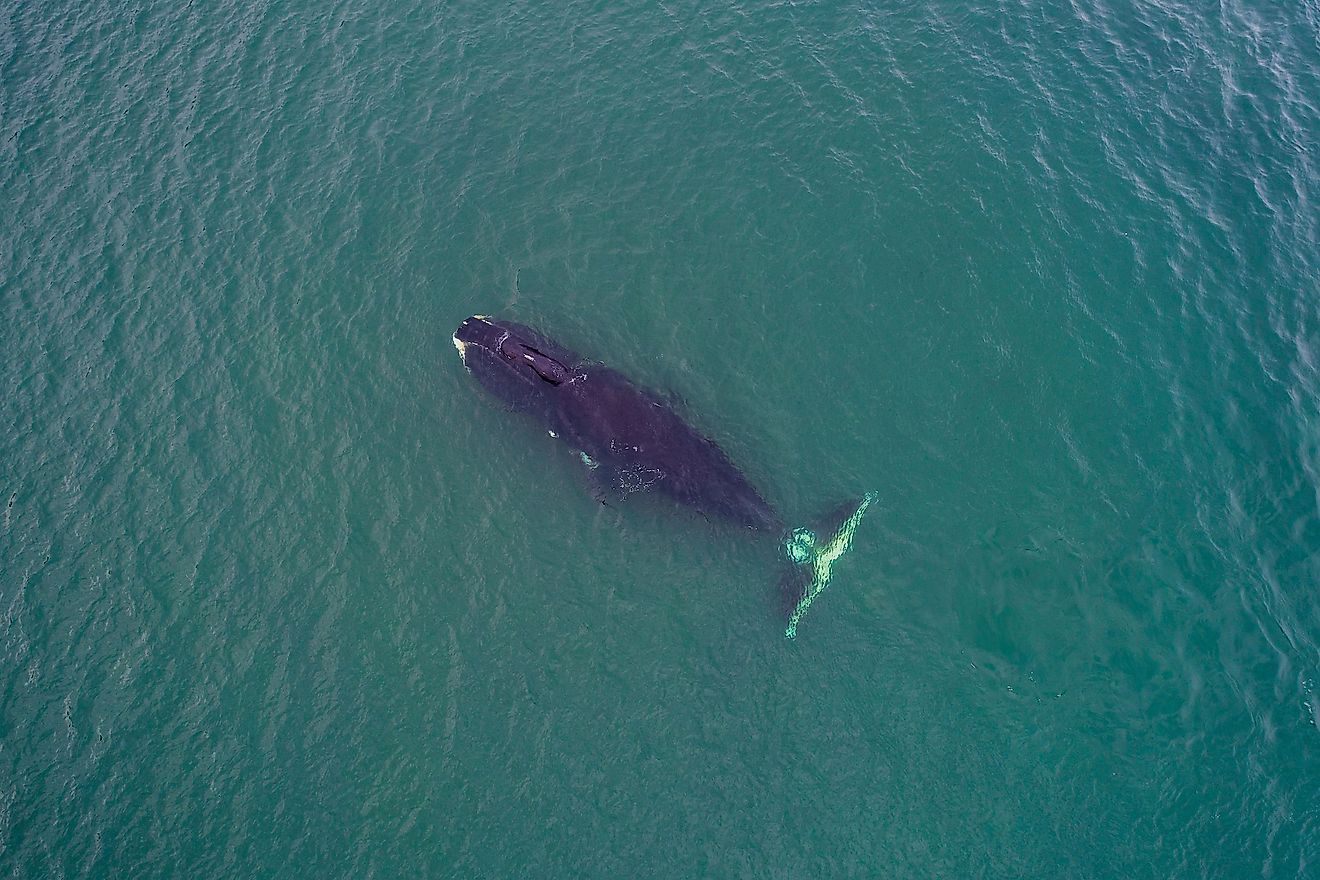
{"x":647,"y":446}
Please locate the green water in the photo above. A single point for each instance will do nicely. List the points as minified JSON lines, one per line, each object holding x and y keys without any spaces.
{"x":281,"y":594}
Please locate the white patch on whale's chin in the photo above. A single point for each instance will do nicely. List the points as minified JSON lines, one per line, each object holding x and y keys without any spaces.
{"x":462,"y":348}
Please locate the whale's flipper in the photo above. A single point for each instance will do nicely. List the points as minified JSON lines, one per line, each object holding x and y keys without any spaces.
{"x":600,"y":479}
{"x":813,"y":560}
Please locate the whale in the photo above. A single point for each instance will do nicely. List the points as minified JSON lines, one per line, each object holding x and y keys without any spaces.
{"x":631,"y":439}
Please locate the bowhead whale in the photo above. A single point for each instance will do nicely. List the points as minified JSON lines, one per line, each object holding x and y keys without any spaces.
{"x":630,"y":440}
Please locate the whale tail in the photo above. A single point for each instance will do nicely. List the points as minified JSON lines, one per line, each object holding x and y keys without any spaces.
{"x":813,"y":560}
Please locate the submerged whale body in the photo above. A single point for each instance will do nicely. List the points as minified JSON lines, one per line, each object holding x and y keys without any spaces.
{"x":629,"y":438}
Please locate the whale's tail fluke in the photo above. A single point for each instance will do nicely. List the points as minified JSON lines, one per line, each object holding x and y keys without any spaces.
{"x":813,"y":560}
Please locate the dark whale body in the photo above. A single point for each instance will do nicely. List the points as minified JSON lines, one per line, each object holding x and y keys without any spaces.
{"x":629,"y":438}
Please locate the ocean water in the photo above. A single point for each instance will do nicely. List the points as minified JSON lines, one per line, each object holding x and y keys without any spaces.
{"x":282,"y":594}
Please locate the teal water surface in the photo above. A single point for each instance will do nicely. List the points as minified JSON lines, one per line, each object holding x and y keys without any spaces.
{"x":281,"y":594}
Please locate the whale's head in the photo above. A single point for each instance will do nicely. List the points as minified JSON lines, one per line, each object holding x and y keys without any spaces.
{"x":513,"y":362}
